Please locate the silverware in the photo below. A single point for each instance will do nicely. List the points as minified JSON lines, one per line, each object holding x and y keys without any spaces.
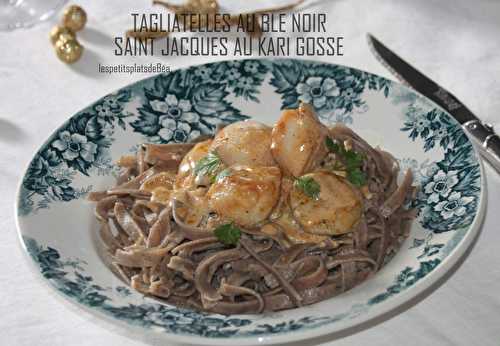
{"x":482,"y":134}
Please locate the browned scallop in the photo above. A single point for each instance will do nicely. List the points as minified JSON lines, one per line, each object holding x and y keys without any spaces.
{"x":336,"y":210}
{"x":185,"y":176}
{"x":247,"y":195}
{"x":245,"y":143}
{"x":294,"y":232}
{"x":298,"y":140}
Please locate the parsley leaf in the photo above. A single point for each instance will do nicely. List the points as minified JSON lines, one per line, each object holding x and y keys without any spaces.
{"x":309,"y":186}
{"x":356,"y":177}
{"x":332,"y":146}
{"x":228,"y":234}
{"x":208,"y":165}
{"x":352,"y":160}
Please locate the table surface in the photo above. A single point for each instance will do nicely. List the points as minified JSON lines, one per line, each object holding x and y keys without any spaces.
{"x":454,"y":42}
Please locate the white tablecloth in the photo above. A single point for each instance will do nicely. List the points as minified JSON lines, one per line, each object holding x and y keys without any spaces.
{"x":455,"y":42}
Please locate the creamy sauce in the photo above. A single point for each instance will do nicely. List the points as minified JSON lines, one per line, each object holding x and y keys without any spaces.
{"x":293,"y":230}
{"x":262,"y":164}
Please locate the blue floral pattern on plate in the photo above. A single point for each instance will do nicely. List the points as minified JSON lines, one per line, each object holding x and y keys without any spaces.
{"x":184,"y":104}
{"x":449,"y":188}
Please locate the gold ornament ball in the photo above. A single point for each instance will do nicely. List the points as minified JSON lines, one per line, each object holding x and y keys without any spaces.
{"x":69,"y":51}
{"x":61,"y":33}
{"x":74,"y":17}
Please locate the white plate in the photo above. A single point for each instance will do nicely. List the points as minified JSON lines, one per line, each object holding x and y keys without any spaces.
{"x":58,"y":229}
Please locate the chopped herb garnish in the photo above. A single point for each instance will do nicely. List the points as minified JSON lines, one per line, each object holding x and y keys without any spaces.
{"x":332,"y":146}
{"x":356,"y":177}
{"x":352,"y":160}
{"x":222,"y":174}
{"x":309,"y":186}
{"x":208,"y":165}
{"x":228,"y":234}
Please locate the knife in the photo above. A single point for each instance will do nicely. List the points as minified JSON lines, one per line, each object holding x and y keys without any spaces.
{"x":483,"y":135}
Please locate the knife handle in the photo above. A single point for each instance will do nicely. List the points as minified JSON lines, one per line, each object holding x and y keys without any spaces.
{"x":486,"y":140}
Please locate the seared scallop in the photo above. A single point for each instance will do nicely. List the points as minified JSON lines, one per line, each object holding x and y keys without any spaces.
{"x":185,"y":177}
{"x":293,"y":231}
{"x":336,"y":210}
{"x":245,"y":195}
{"x":245,"y":143}
{"x":298,"y":140}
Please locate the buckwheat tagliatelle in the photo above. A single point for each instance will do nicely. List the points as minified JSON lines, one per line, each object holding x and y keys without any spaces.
{"x":256,"y":218}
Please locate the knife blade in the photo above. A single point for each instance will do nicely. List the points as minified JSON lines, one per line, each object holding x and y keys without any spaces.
{"x":482,"y":134}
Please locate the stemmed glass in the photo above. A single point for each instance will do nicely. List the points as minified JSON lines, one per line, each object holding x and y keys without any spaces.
{"x":25,"y":13}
